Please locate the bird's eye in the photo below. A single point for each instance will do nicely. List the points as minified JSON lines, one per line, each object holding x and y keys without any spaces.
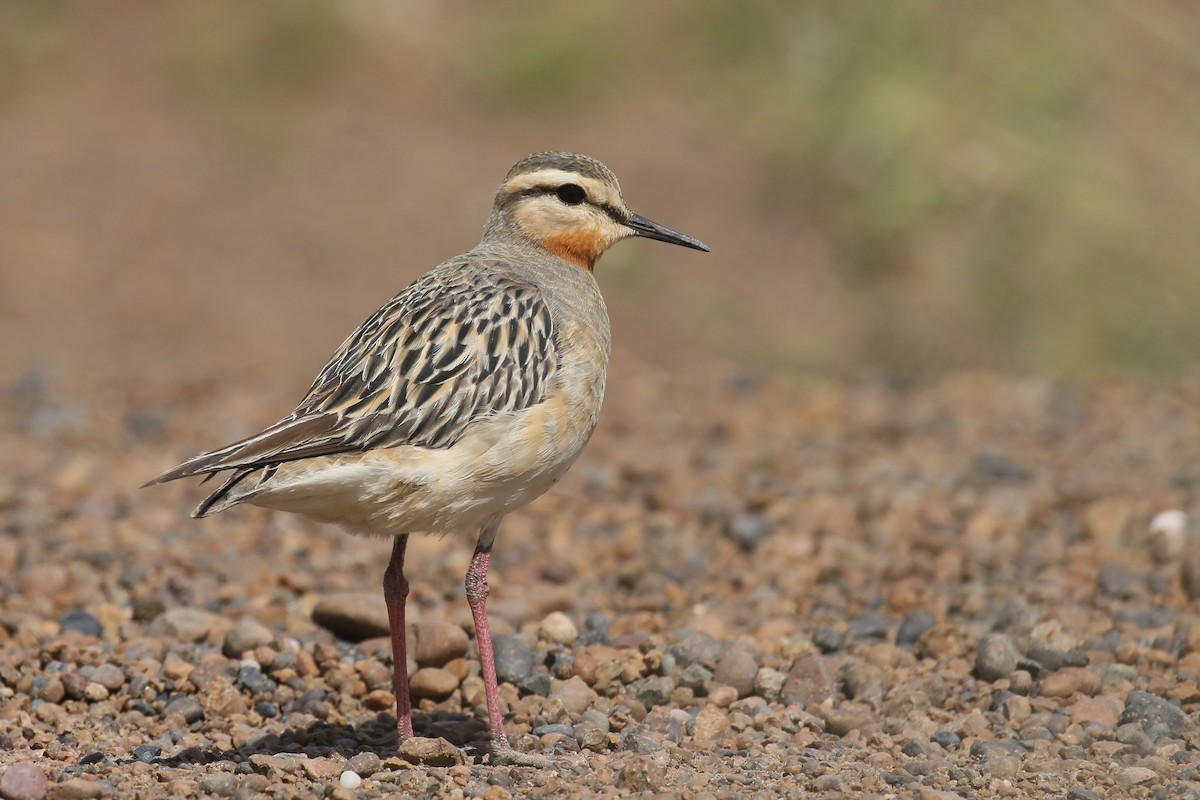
{"x":571,"y":193}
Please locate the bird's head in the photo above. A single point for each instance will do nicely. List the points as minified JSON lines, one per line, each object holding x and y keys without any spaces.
{"x":571,"y":206}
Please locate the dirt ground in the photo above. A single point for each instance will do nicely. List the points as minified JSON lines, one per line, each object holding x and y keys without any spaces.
{"x":843,"y":590}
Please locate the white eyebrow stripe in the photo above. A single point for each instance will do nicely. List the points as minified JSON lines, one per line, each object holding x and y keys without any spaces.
{"x":597,"y":191}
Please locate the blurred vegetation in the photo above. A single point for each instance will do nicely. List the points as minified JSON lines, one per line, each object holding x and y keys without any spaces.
{"x":1007,"y":185}
{"x":1014,"y":184}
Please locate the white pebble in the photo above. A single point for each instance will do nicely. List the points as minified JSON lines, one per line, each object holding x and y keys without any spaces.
{"x":557,"y":627}
{"x":350,"y":779}
{"x":1168,"y":530}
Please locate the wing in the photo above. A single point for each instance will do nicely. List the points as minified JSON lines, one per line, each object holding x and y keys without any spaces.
{"x":453,"y":347}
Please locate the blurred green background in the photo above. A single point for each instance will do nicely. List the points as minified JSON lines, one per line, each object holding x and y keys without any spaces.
{"x":193,"y":188}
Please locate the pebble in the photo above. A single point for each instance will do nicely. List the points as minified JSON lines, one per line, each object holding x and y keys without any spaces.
{"x":183,"y":624}
{"x":828,"y":640}
{"x":221,"y":784}
{"x":23,"y":780}
{"x":711,"y":725}
{"x":514,"y":657}
{"x":996,"y":657}
{"x":768,"y":684}
{"x":353,"y":616}
{"x":914,"y":624}
{"x":430,"y":752}
{"x":365,"y":764}
{"x":1168,"y":534}
{"x":575,"y":695}
{"x":110,"y":676}
{"x":245,"y":635}
{"x":640,"y":774}
{"x":738,"y":668}
{"x":75,"y":789}
{"x":350,"y":780}
{"x":82,"y":622}
{"x":432,"y":682}
{"x":810,"y":682}
{"x":558,"y":628}
{"x":1154,"y":715}
{"x":1069,"y":681}
{"x":186,"y":706}
{"x":436,"y":644}
{"x":747,"y":529}
{"x":146,"y":753}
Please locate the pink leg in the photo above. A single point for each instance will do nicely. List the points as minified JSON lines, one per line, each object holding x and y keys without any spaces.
{"x":395,"y":592}
{"x":477,"y":592}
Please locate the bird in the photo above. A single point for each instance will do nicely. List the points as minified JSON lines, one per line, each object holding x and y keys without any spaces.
{"x":463,"y":398}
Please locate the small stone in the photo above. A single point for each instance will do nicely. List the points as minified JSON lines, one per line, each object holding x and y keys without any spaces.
{"x":697,"y":648}
{"x":82,"y":622}
{"x":23,"y":780}
{"x":75,"y":789}
{"x":712,"y":726}
{"x":996,"y":657}
{"x":828,"y":640}
{"x":1080,"y":793}
{"x":146,"y":753}
{"x":811,"y":681}
{"x":639,"y":743}
{"x":640,"y":774}
{"x":768,"y":684}
{"x":1168,"y":533}
{"x":350,"y":780}
{"x":94,"y":692}
{"x":1104,"y":710}
{"x":1117,"y":580}
{"x":948,"y":740}
{"x":514,"y":657}
{"x":183,"y":624}
{"x":739,"y":669}
{"x":841,"y":719}
{"x":432,"y":682}
{"x":50,"y":689}
{"x":1000,"y":766}
{"x":365,"y":764}
{"x":353,"y":616}
{"x":1133,"y":776}
{"x":913,"y":625}
{"x":557,"y":627}
{"x":1016,"y":708}
{"x":723,"y":696}
{"x":747,"y":529}
{"x":1069,"y":681}
{"x":1151,"y":713}
{"x":430,"y":752}
{"x":186,"y":706}
{"x":110,"y":676}
{"x":590,"y":737}
{"x":322,"y":768}
{"x":653,"y":692}
{"x":221,"y":784}
{"x":695,"y":677}
{"x":245,"y":634}
{"x":538,"y":684}
{"x":575,"y":695}
{"x":436,"y":644}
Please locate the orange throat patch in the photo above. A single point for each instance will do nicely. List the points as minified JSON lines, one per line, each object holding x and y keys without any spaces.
{"x":581,"y":248}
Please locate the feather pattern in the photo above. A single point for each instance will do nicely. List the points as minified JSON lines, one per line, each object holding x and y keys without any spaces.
{"x":466,"y":341}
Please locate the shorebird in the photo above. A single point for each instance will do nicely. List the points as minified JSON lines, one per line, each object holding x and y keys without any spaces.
{"x":465,"y":396}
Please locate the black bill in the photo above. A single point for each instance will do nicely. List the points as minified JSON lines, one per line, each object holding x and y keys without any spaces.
{"x":661,"y":233}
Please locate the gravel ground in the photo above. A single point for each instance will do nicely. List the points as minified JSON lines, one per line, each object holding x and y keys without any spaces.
{"x":962,"y":590}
